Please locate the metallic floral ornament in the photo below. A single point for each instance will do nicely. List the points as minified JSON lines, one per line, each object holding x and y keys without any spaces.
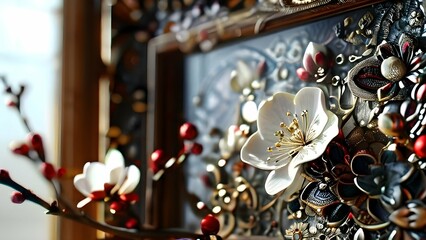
{"x":298,"y":230}
{"x":388,"y":74}
{"x":316,"y":63}
{"x":318,"y":196}
{"x":292,"y":130}
{"x":391,"y":184}
{"x":416,"y":18}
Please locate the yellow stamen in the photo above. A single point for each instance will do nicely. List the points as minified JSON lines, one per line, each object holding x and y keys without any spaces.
{"x":292,"y":138}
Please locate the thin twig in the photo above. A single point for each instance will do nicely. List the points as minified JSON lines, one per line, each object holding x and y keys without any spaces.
{"x":5,"y":179}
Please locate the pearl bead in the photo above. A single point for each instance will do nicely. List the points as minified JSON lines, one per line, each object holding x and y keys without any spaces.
{"x":393,"y":68}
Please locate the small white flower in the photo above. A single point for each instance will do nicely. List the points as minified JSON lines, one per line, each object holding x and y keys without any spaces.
{"x":298,"y":230}
{"x":244,"y":77}
{"x":233,"y":140}
{"x":292,"y":129}
{"x":99,"y":180}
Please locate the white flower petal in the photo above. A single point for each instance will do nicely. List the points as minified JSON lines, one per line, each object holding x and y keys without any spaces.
{"x":96,"y":176}
{"x":81,"y":185}
{"x":312,"y":99}
{"x":272,"y":112}
{"x":132,"y":180}
{"x":115,"y":175}
{"x":330,"y":131}
{"x":295,"y":186}
{"x":84,"y":202}
{"x":120,"y":181}
{"x":254,"y":152}
{"x":114,"y":158}
{"x":281,"y":178}
{"x":319,"y":144}
{"x":85,"y":167}
{"x":114,"y":162}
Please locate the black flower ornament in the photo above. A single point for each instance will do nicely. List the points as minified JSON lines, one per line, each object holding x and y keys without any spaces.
{"x":390,"y":73}
{"x":331,"y":189}
{"x":390,"y":183}
{"x":382,"y":180}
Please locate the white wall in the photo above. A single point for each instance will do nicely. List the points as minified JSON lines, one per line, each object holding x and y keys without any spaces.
{"x":30,"y":43}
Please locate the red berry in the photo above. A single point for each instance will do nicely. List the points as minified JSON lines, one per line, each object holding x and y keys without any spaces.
{"x":158,"y":156}
{"x":303,"y":74}
{"x":132,"y":223}
{"x":4,"y":174}
{"x":11,"y":103}
{"x":158,"y":160}
{"x":48,"y":170}
{"x":205,"y":179}
{"x":20,"y":148}
{"x":97,"y":195}
{"x":35,"y":140}
{"x":196,"y":148}
{"x":116,"y":206}
{"x":420,"y":146}
{"x":17,"y":197}
{"x":131,"y":197}
{"x":210,"y":225}
{"x":188,"y":131}
{"x":61,"y":172}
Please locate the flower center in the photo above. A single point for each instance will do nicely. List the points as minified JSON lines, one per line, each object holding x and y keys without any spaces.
{"x":297,"y":235}
{"x":292,"y":138}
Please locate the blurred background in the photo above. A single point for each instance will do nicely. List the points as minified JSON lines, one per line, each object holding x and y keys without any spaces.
{"x":30,"y":54}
